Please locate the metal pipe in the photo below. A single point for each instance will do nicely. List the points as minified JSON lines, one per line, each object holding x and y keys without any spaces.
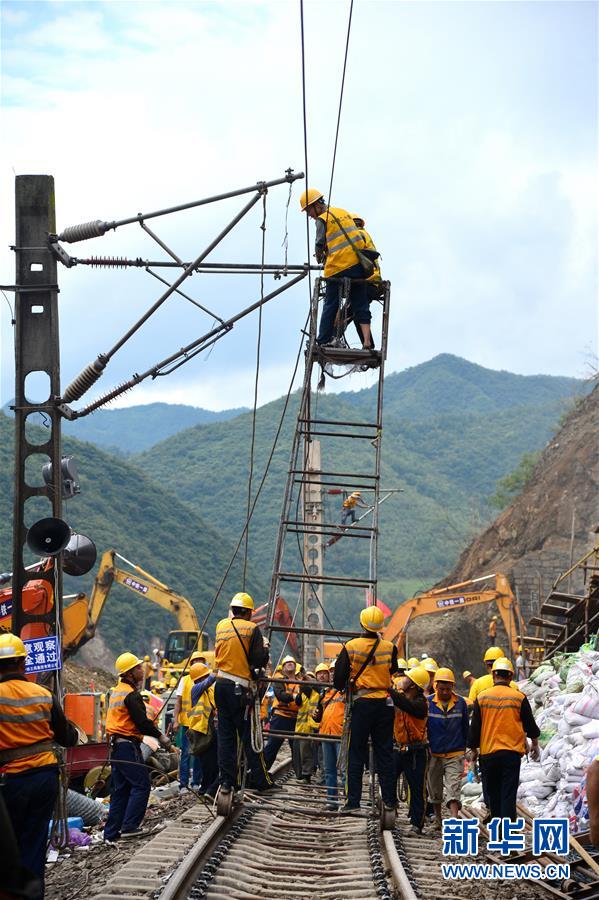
{"x":245,"y":268}
{"x":335,"y":422}
{"x":331,"y":633}
{"x":187,"y":272}
{"x":260,"y":186}
{"x":161,"y":243}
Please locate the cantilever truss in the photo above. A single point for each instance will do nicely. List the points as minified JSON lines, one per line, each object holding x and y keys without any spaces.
{"x":303,"y":529}
{"x":39,"y":249}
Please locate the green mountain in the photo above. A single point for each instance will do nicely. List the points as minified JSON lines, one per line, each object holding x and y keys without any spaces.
{"x":452,"y":429}
{"x":135,"y":428}
{"x":120,"y":508}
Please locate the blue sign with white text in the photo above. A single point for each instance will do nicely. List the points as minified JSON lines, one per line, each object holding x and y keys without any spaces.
{"x":43,"y":655}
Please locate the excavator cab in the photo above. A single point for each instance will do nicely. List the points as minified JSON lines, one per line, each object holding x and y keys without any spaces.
{"x":180,"y":644}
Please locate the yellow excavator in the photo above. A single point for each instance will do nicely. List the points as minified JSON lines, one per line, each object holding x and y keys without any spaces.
{"x":81,"y":616}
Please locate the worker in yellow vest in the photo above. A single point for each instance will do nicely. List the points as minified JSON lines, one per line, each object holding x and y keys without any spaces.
{"x":126,"y":724}
{"x":284,"y":710}
{"x":307,"y":698}
{"x":32,"y":724}
{"x":240,"y":652}
{"x":501,"y":722}
{"x":373,"y":283}
{"x":486,"y":681}
{"x":338,"y":242}
{"x":410,"y":744}
{"x":202,"y":731}
{"x":181,"y":720}
{"x":348,"y":510}
{"x":364,"y":669}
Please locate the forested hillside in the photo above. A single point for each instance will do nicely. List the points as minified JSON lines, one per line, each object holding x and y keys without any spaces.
{"x":119,"y":507}
{"x":447,"y":464}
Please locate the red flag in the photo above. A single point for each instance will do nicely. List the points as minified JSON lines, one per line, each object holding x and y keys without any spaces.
{"x":384,"y":607}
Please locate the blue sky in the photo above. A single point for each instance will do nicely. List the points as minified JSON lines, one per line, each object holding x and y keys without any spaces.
{"x":468,"y":141}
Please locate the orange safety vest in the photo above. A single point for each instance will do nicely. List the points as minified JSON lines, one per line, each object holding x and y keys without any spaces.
{"x":375,"y":680}
{"x":25,"y":715}
{"x":229,"y":655}
{"x":333,"y":712}
{"x":287,"y":710}
{"x":502,"y":727}
{"x":118,"y":720}
{"x":340,"y":242}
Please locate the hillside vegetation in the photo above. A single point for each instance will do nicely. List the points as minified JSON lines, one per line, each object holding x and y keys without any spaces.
{"x":120,"y":508}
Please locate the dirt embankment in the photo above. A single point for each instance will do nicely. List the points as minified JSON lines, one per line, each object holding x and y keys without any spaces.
{"x":533,"y":541}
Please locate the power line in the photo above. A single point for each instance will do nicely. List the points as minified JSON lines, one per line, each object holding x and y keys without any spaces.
{"x":351,"y":9}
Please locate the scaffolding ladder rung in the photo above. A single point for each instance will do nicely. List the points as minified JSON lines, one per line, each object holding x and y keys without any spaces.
{"x":325,"y":525}
{"x":325,"y":632}
{"x":337,"y":434}
{"x":339,"y":484}
{"x":338,"y":581}
{"x":337,"y":422}
{"x":334,"y":474}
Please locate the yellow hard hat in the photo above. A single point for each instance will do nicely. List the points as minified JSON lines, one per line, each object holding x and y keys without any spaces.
{"x":146,"y":695}
{"x":127,"y":661}
{"x":466,"y":674}
{"x":429,"y":664}
{"x":173,"y":682}
{"x":11,"y":647}
{"x":146,"y":658}
{"x":287,"y":659}
{"x":503,"y":665}
{"x":493,"y":618}
{"x":493,"y":653}
{"x":196,"y":655}
{"x":198,"y":670}
{"x":519,"y":649}
{"x":413,"y":662}
{"x":372,"y":618}
{"x":307,"y":198}
{"x":444,"y":675}
{"x":242,"y":600}
{"x":418,"y":676}
{"x":322,"y":667}
{"x":310,"y":675}
{"x":356,"y":493}
{"x":402,"y":664}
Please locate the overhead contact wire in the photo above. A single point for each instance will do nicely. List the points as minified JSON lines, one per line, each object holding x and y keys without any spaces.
{"x":256,"y":382}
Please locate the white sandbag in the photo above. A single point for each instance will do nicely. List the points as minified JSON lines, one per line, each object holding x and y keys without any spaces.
{"x":535,"y":789}
{"x":588,"y":703}
{"x":574,"y":719}
{"x":591,"y":730}
{"x":472,"y":789}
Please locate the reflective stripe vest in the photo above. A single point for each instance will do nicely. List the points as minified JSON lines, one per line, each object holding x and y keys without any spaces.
{"x":369,"y":245}
{"x":185,"y":701}
{"x":229,"y":655}
{"x":333,"y":711}
{"x":350,"y":502}
{"x":287,"y":710}
{"x":340,"y":251}
{"x":375,"y":679}
{"x":483,"y":684}
{"x":118,"y":720}
{"x":305,"y":724}
{"x":25,"y":715}
{"x":199,"y":715}
{"x":501,"y":727}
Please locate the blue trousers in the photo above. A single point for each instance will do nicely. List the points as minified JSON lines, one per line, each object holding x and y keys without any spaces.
{"x":130,"y":790}
{"x":358,"y":301}
{"x":330,"y":755}
{"x":414,"y":765}
{"x":371,"y":719}
{"x":234,"y":724}
{"x":184,"y":760}
{"x":275,"y":742}
{"x":30,"y":800}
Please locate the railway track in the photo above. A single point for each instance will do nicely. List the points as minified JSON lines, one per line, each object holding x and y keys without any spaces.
{"x":287,"y":846}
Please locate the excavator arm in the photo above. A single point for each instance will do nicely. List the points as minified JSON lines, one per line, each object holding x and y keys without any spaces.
{"x":454,"y":597}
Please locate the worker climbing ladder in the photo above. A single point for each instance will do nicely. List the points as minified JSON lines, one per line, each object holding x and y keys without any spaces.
{"x":304,"y":530}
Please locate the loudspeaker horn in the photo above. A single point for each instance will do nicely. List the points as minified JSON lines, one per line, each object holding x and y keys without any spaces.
{"x":79,"y":555}
{"x":48,"y":537}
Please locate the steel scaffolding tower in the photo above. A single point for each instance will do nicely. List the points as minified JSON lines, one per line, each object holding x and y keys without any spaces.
{"x":304,"y":531}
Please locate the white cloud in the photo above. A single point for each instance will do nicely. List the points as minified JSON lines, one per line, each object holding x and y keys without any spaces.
{"x":477,"y":176}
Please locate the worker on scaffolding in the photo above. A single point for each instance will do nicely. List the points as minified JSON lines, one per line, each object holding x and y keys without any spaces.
{"x":364,"y":669}
{"x":31,"y":724}
{"x":240,"y":652}
{"x":341,"y":246}
{"x":410,"y":747}
{"x":284,"y":710}
{"x":374,"y":282}
{"x":348,"y":509}
{"x":502,"y":719}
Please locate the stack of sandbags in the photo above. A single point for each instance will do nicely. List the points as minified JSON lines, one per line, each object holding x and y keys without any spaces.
{"x":564,"y":696}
